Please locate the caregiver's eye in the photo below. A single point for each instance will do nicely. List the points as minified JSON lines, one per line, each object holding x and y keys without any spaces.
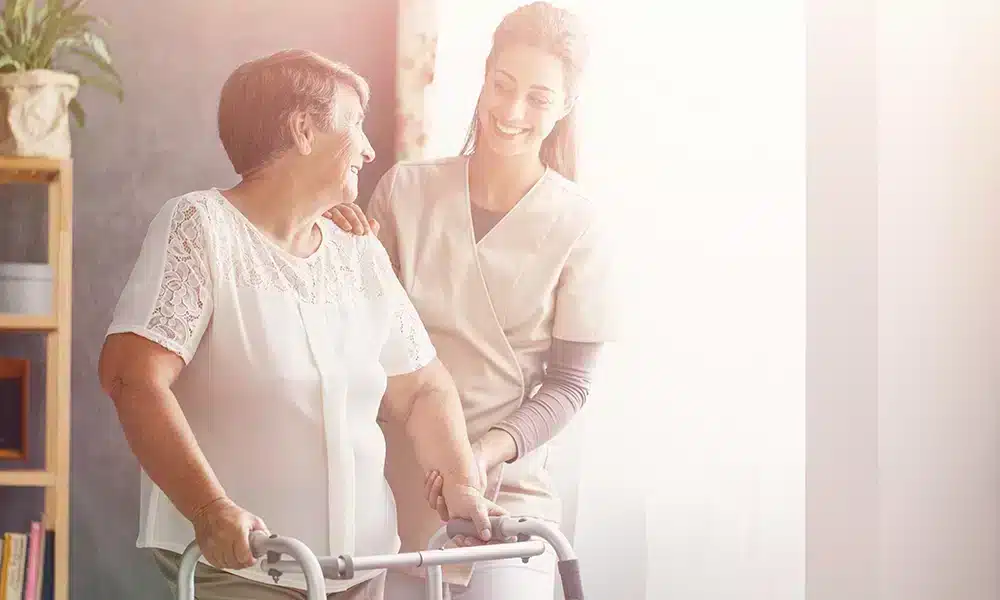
{"x":539,"y":101}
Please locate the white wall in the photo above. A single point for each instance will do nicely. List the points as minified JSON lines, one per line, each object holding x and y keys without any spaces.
{"x":842,"y":361}
{"x":939,"y":298}
{"x":712,"y":171}
{"x":903,"y":477}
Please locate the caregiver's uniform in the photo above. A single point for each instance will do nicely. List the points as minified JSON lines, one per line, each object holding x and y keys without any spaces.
{"x":492,"y":308}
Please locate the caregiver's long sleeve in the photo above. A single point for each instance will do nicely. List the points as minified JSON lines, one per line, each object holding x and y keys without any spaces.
{"x":564,"y":390}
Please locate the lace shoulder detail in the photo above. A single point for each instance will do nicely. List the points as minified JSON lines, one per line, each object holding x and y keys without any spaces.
{"x":184,"y":295}
{"x":408,"y":346}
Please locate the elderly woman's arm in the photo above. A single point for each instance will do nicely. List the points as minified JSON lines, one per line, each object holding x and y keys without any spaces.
{"x":137,"y":375}
{"x":426,"y":402}
{"x":144,"y":353}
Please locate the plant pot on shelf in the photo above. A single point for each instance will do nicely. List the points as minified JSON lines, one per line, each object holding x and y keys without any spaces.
{"x":35,"y":109}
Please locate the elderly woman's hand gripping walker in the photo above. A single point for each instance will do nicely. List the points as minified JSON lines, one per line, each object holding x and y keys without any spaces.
{"x":317,"y":569}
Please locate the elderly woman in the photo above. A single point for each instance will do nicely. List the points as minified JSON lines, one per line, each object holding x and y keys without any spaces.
{"x":254,"y":341}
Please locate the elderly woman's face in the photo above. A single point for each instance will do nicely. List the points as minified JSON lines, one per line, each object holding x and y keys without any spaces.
{"x":341,"y":152}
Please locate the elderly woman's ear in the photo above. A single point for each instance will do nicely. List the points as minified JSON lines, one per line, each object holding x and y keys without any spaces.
{"x":301,"y":126}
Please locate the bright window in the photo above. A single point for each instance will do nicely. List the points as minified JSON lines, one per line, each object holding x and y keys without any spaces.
{"x":694,"y":132}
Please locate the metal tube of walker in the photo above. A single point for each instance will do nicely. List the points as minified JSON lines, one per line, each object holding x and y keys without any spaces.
{"x":569,"y":566}
{"x":345,"y":567}
{"x":260,"y":544}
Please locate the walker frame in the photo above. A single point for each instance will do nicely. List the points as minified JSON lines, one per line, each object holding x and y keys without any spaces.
{"x":318,"y":569}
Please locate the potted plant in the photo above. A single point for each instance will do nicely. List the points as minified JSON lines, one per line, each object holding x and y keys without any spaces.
{"x":38,"y":83}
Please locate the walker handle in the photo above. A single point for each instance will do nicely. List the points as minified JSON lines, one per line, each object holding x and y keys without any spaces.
{"x":257,"y":542}
{"x":260,"y":544}
{"x":467,"y":528}
{"x":504,"y":527}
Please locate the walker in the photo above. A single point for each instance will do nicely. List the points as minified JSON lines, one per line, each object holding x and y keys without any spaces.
{"x":317,"y":569}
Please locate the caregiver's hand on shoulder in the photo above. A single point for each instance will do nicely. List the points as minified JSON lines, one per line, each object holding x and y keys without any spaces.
{"x":351,"y":219}
{"x":222,"y":530}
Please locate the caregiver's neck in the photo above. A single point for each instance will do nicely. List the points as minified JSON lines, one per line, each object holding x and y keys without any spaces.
{"x":497,"y":182}
{"x":283,"y":205}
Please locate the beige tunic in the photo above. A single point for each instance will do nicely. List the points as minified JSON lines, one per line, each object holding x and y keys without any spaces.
{"x":491,"y":309}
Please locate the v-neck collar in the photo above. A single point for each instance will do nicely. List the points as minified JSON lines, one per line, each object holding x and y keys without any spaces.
{"x":470,"y":224}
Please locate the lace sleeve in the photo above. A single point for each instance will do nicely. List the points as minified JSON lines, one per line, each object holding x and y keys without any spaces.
{"x":167,"y":298}
{"x":408,"y":347}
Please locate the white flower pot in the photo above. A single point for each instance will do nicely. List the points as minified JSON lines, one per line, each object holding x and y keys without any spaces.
{"x":35,"y":110}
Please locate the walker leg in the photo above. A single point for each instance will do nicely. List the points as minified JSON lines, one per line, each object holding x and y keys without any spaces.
{"x":435,"y":583}
{"x":435,"y":576}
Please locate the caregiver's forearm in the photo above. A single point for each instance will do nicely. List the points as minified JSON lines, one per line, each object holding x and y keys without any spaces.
{"x":564,"y":391}
{"x":436,"y":424}
{"x":162,"y":441}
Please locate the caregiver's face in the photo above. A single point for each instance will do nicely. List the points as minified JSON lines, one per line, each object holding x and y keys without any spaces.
{"x":524,"y":96}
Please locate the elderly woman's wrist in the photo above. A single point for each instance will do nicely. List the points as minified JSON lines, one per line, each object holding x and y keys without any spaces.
{"x":466,"y":476}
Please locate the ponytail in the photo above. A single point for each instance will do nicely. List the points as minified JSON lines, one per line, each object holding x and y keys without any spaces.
{"x":559,"y":150}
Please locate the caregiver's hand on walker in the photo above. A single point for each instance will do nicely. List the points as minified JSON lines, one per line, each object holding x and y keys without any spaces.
{"x":443,"y":502}
{"x":459,"y":501}
{"x":491,"y":452}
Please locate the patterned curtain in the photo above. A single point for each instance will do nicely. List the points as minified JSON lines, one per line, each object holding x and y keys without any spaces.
{"x":415,"y":56}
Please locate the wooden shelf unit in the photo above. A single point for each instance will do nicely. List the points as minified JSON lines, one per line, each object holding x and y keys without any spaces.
{"x":54,"y":477}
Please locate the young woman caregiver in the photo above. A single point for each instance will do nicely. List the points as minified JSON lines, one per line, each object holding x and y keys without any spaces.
{"x":500,"y":253}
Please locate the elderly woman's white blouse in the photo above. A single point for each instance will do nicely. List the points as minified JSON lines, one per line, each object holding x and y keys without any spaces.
{"x":286,"y":363}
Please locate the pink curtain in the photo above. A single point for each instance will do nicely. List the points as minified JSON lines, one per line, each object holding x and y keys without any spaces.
{"x":415,"y":55}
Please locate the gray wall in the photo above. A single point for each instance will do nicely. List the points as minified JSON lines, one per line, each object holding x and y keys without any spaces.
{"x":129,"y":159}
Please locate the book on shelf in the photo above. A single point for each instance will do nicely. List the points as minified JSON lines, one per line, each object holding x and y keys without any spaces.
{"x":26,"y":564}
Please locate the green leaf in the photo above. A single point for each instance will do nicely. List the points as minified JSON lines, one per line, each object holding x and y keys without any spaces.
{"x":19,"y":18}
{"x":76,"y":110}
{"x":6,"y":61}
{"x":29,"y":15}
{"x":97,"y":61}
{"x":4,"y":38}
{"x":38,"y":34}
{"x":12,"y":9}
{"x":103,"y":84}
{"x":98,"y":45}
{"x":20,"y":54}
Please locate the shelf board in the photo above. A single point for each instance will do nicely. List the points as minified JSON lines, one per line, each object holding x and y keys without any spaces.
{"x":16,"y":322}
{"x":26,"y":169}
{"x":27,"y":478}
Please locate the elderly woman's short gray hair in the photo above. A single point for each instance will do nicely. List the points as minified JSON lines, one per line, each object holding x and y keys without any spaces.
{"x":261,"y":95}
